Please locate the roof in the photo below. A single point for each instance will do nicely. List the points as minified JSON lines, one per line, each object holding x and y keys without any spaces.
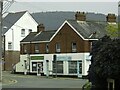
{"x":58,"y":17}
{"x":44,"y":36}
{"x":89,"y":29}
{"x":41,"y":36}
{"x":11,"y":19}
{"x":29,"y":37}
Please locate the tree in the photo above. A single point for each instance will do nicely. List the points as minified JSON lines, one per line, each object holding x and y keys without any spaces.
{"x":112,"y":30}
{"x":105,"y":61}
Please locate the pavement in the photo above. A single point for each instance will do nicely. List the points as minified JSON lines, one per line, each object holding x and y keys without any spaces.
{"x":7,"y":80}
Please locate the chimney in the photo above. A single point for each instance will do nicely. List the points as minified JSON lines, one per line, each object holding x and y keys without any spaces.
{"x":80,"y":16}
{"x":111,"y":18}
{"x":40,"y":27}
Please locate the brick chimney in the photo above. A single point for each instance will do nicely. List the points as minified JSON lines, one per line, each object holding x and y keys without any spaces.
{"x":111,"y":18}
{"x":80,"y":16}
{"x":40,"y":27}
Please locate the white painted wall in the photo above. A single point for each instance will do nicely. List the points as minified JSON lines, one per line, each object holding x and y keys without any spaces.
{"x":25,"y":22}
{"x":74,"y":56}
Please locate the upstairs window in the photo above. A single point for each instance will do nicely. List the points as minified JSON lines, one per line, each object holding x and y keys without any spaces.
{"x":58,"y":47}
{"x":29,"y":30}
{"x":37,"y":48}
{"x":74,"y":47}
{"x":9,"y":45}
{"x":25,"y":49}
{"x":22,"y":32}
{"x":47,"y":48}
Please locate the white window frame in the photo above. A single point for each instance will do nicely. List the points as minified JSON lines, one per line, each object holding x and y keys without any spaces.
{"x":74,"y":47}
{"x":47,"y":48}
{"x":10,"y":45}
{"x":22,"y":32}
{"x":25,"y":48}
{"x":37,"y":48}
{"x":58,"y":48}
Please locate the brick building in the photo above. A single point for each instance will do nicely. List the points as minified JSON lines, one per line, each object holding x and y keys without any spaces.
{"x":64,"y":51}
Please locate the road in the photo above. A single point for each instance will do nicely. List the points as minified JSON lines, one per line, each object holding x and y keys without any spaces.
{"x":33,"y":81}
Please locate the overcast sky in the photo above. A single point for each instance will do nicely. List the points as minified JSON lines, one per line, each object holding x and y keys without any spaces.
{"x":97,"y":7}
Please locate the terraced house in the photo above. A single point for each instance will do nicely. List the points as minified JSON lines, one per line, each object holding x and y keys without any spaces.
{"x":64,"y":51}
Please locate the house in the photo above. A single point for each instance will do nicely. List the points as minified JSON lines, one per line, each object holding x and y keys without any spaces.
{"x":16,"y":26}
{"x":64,"y":51}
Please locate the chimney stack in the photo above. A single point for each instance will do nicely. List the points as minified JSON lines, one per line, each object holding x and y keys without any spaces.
{"x":111,"y":18}
{"x":40,"y":27}
{"x":80,"y":16}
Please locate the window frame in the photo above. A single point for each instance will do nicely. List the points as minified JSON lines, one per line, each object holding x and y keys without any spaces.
{"x":10,"y":45}
{"x":58,"y":47}
{"x":36,"y":48}
{"x":22,"y":32}
{"x":74,"y":47}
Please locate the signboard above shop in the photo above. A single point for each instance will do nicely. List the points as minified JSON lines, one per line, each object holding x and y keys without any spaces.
{"x":37,"y":57}
{"x":64,"y":58}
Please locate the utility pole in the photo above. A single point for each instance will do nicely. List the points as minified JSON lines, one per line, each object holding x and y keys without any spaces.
{"x":1,"y":9}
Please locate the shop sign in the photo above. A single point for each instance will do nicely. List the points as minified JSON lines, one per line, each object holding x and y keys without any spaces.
{"x":64,"y":58}
{"x":37,"y":57}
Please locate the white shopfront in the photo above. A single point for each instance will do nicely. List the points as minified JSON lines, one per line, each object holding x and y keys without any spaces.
{"x":65,"y":64}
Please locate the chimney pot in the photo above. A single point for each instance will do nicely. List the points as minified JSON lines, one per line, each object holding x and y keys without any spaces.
{"x":111,"y":18}
{"x":40,"y":27}
{"x":80,"y":16}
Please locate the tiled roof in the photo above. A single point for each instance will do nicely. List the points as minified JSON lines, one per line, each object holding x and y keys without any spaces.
{"x":11,"y":19}
{"x":89,"y":30}
{"x":44,"y":36}
{"x":29,"y":37}
{"x":41,"y":36}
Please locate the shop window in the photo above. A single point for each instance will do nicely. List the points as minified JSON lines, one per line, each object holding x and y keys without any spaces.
{"x":74,"y":47}
{"x":59,"y":66}
{"x":34,"y":66}
{"x":72,"y":67}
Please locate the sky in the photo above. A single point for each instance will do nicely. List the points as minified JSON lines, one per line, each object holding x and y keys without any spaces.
{"x":95,"y":6}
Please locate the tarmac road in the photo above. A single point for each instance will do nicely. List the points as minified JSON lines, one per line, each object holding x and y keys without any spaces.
{"x":33,"y":81}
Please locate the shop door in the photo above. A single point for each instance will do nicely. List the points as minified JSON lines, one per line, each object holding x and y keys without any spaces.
{"x":79,"y":69}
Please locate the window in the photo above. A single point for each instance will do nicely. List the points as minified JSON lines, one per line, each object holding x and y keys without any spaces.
{"x":47,"y":48}
{"x":30,"y":30}
{"x":58,"y":47}
{"x":22,"y":32}
{"x":9,"y":45}
{"x":25,"y":49}
{"x":72,"y":67}
{"x":74,"y":47}
{"x":37,"y":48}
{"x":58,"y":66}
